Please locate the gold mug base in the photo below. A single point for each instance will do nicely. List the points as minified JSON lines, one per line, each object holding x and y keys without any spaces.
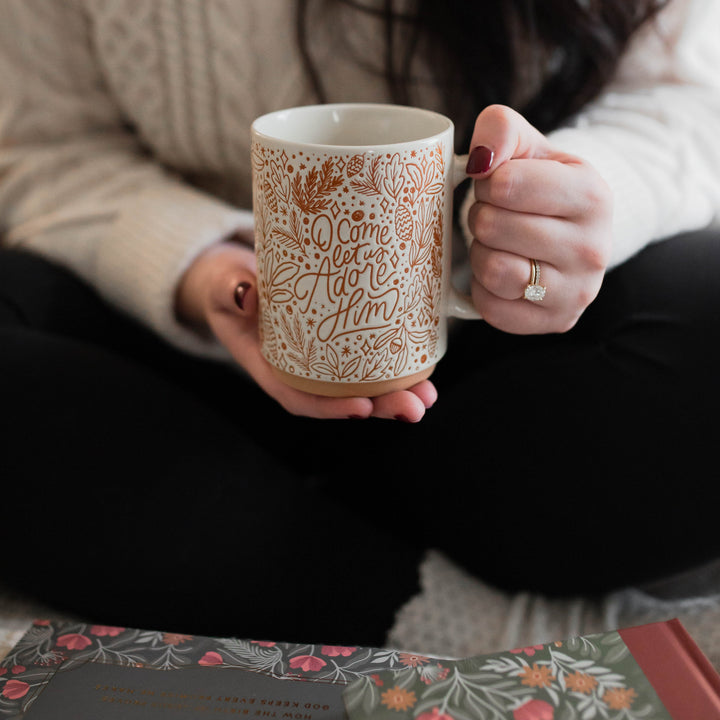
{"x":345,"y":389}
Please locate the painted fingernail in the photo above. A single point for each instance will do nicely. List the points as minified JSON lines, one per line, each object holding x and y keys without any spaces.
{"x":356,"y":417}
{"x":240,"y":291}
{"x":480,"y":160}
{"x":403,"y":418}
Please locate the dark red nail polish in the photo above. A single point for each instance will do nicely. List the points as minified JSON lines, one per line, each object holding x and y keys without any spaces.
{"x":356,"y":417}
{"x":240,"y":291}
{"x":480,"y":160}
{"x":402,"y":418}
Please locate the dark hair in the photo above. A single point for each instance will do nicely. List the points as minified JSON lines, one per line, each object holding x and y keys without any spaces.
{"x":482,"y":52}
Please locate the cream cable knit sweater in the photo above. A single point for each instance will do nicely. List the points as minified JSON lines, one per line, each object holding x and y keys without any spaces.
{"x":124,"y":131}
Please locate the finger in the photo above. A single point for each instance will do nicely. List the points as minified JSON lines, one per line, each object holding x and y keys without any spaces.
{"x":296,"y":402}
{"x":403,"y":405}
{"x":552,"y":240}
{"x":544,"y":187}
{"x":523,"y":317}
{"x":426,"y":391}
{"x":501,"y":134}
{"x":236,"y":293}
{"x":506,"y":275}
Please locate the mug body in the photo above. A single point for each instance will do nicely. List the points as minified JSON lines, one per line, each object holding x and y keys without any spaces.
{"x":353,"y":224}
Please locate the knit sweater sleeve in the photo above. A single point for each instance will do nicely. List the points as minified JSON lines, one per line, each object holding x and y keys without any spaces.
{"x":654,"y":134}
{"x":76,"y":185}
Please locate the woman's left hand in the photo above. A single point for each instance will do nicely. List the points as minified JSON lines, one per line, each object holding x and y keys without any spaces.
{"x":534,"y":202}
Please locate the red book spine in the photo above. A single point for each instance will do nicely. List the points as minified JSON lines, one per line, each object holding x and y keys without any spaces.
{"x":682,"y":676}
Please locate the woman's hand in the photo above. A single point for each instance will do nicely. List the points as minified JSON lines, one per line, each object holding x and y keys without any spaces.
{"x":207,"y":300}
{"x":532,"y":201}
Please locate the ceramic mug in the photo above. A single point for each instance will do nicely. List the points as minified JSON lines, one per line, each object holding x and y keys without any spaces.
{"x":353,"y":232}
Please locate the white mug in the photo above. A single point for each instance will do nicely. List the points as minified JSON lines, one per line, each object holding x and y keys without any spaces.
{"x":353,"y":236}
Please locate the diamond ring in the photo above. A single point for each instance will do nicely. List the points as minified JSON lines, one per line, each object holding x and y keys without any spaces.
{"x":534,"y":290}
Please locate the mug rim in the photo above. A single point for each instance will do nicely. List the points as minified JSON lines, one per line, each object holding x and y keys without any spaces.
{"x":352,"y":106}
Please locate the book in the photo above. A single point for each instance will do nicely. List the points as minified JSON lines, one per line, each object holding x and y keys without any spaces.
{"x":80,"y":671}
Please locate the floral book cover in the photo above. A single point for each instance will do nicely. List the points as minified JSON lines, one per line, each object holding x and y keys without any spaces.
{"x":78,"y":671}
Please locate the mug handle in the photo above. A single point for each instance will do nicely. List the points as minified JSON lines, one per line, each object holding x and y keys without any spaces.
{"x":460,"y":304}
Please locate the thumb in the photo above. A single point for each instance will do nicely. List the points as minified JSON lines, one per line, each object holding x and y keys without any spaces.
{"x":502,"y":134}
{"x":238,"y":294}
{"x":245,"y":297}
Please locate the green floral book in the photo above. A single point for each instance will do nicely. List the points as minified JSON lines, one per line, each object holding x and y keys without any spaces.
{"x":79,"y":671}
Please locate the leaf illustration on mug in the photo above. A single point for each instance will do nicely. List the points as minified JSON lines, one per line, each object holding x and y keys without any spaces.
{"x":279,"y":183}
{"x":369,"y":182}
{"x":413,"y":298}
{"x":376,"y":366}
{"x":394,"y":180}
{"x":311,"y":194}
{"x":424,"y":178}
{"x":257,"y":158}
{"x":276,"y":274}
{"x":291,"y":235}
{"x":396,"y":342}
{"x":263,"y":225}
{"x":423,"y":239}
{"x":300,"y":349}
{"x":430,"y":298}
{"x":333,"y":366}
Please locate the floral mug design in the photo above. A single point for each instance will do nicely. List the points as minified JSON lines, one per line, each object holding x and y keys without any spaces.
{"x":353,"y":207}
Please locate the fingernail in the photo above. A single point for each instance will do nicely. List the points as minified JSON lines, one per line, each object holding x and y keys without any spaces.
{"x":356,"y":417}
{"x":403,"y":418}
{"x":480,"y":160}
{"x":240,"y":291}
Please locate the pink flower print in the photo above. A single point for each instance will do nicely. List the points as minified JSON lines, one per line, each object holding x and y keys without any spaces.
{"x":103,"y":630}
{"x":534,"y":710}
{"x":307,"y":663}
{"x":17,"y":669}
{"x":210,"y":658}
{"x":41,"y":623}
{"x":15,"y":689}
{"x":263,"y":643}
{"x":74,"y":641}
{"x":529,"y":651}
{"x":3,"y":671}
{"x":376,"y":679}
{"x":434,"y":714}
{"x":336,"y":650}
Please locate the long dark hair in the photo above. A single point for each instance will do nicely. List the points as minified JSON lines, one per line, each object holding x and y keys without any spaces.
{"x":486,"y":51}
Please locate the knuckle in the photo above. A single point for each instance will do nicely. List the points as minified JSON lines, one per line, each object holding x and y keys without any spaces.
{"x":483,"y":221}
{"x":501,"y":116}
{"x":593,"y":256}
{"x":496,"y":273}
{"x":585,"y":295}
{"x":598,"y":197}
{"x":503,"y":186}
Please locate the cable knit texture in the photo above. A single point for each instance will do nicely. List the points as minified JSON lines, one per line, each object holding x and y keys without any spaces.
{"x":124,"y":129}
{"x":457,"y":615}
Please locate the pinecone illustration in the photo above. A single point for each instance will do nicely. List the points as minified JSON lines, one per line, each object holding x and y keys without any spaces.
{"x":270,"y":198}
{"x":355,"y":165}
{"x":403,"y":223}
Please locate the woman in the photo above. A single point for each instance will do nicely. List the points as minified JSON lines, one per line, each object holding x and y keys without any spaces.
{"x":551,"y":459}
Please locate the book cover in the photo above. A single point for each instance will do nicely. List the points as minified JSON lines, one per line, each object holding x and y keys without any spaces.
{"x":78,"y":671}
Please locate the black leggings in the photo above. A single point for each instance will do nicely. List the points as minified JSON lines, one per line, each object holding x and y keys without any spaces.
{"x":147,"y":488}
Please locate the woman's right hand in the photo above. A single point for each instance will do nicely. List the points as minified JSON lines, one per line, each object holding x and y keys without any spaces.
{"x":207,"y":301}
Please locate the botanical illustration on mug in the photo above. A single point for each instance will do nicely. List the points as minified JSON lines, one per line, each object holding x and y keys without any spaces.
{"x":350,"y":253}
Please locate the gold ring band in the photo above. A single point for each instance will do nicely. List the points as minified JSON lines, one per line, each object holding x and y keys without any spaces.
{"x":534,"y":291}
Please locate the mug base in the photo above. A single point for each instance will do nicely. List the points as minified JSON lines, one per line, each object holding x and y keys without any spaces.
{"x":361,"y":389}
